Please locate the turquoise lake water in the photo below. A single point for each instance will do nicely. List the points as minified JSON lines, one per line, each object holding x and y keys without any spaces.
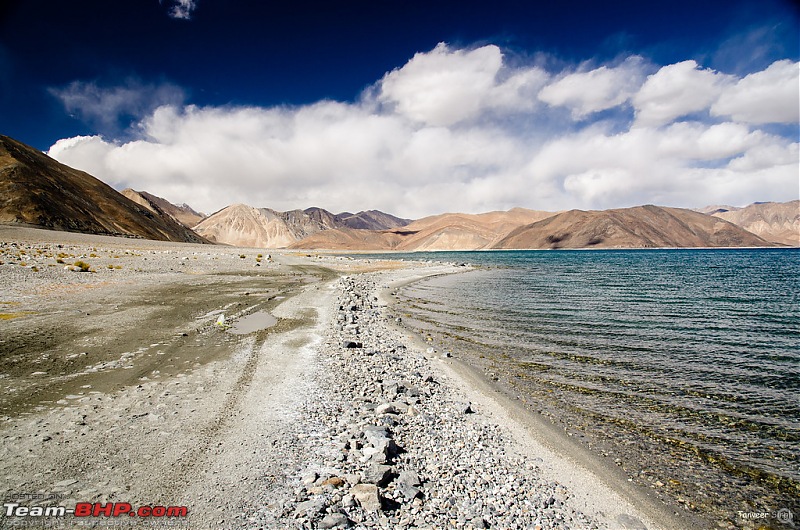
{"x":682,"y":364}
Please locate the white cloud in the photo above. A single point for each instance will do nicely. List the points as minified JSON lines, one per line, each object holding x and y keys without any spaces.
{"x":677,"y":90}
{"x":769,"y":96}
{"x":183,"y":9}
{"x":107,"y":107}
{"x":595,"y":90}
{"x":420,"y":142}
{"x":444,"y":87}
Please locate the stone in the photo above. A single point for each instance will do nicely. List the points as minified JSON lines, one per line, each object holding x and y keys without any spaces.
{"x":406,"y":484}
{"x":377,"y":474}
{"x":348,"y":501}
{"x":334,"y":520}
{"x":351,"y":344}
{"x":374,"y":433}
{"x":465,"y":408}
{"x":336,"y":482}
{"x":367,"y":496}
{"x":386,"y":408}
{"x":310,"y":507}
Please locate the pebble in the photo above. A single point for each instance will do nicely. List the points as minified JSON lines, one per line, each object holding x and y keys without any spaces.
{"x":410,"y":451}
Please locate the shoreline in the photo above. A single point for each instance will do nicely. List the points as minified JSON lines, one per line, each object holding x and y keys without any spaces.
{"x":598,"y":486}
{"x":284,"y":427}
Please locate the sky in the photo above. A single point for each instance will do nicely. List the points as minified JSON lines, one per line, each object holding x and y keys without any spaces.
{"x":412,"y":107}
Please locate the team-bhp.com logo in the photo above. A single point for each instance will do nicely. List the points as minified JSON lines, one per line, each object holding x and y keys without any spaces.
{"x":94,"y":509}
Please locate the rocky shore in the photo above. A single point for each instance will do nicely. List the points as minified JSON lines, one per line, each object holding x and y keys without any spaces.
{"x":334,"y":417}
{"x":392,"y":445}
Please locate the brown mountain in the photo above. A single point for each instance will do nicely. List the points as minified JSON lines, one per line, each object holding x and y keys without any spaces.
{"x":246,"y":226}
{"x":183,"y":213}
{"x":458,"y":231}
{"x":450,"y":231}
{"x":639,"y":227}
{"x":371,"y":220}
{"x":778,"y":222}
{"x":37,"y":190}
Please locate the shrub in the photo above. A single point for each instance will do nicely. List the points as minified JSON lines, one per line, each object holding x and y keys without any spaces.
{"x":82,"y":265}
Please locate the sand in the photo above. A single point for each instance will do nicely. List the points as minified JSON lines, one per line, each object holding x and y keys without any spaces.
{"x":120,"y":386}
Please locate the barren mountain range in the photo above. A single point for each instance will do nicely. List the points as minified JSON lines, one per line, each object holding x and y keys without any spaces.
{"x":778,"y":222}
{"x":245,"y":226}
{"x":39,"y":191}
{"x":640,"y":227}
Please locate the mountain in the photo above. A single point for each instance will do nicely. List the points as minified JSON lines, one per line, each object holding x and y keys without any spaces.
{"x":37,"y":190}
{"x":450,"y":231}
{"x":371,"y":220}
{"x":183,"y":213}
{"x":349,"y":239}
{"x":773,"y":221}
{"x":246,"y":226}
{"x":458,"y":231}
{"x":640,"y":227}
{"x":716,"y":208}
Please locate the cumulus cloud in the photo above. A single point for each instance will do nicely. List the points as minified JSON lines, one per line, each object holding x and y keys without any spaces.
{"x":769,"y":96}
{"x":462,"y":130}
{"x":586,"y":92}
{"x":444,"y":86}
{"x":109,"y":108}
{"x":677,"y":90}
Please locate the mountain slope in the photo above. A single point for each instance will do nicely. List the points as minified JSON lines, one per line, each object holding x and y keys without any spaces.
{"x":450,"y":231}
{"x":184,"y":213}
{"x":37,"y":190}
{"x":371,"y":220}
{"x":640,"y":227}
{"x":777,"y":222}
{"x":246,"y":226}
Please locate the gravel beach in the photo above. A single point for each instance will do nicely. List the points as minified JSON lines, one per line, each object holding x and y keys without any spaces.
{"x":130,"y":384}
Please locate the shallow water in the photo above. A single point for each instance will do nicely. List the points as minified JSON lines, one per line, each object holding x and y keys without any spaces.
{"x":663,"y":358}
{"x":253,"y":322}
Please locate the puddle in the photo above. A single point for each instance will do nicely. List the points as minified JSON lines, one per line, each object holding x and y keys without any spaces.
{"x":255,"y":322}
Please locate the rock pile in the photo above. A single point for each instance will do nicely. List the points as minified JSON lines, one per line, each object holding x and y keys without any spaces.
{"x":391,"y":446}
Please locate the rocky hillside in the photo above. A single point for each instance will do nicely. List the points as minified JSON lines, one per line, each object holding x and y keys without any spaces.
{"x":39,"y":191}
{"x":773,"y":221}
{"x":639,"y":227}
{"x":183,"y":213}
{"x":371,"y":220}
{"x":450,"y":231}
{"x":242,"y":225}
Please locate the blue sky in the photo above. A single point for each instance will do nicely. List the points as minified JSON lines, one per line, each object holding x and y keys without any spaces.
{"x":412,"y":107}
